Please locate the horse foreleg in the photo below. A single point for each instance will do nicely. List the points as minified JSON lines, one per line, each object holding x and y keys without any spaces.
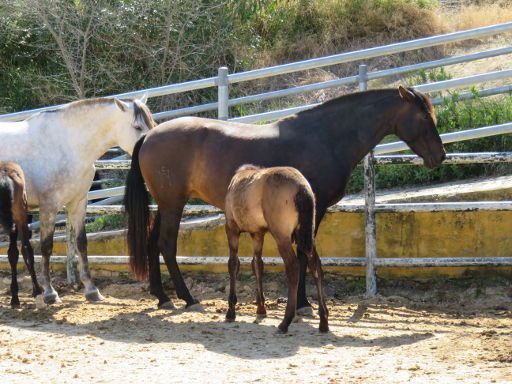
{"x":47,"y":219}
{"x":233,"y":266}
{"x":76,"y":218}
{"x":13,"y":255}
{"x":155,"y":277}
{"x":257,"y":268}
{"x":167,"y":242}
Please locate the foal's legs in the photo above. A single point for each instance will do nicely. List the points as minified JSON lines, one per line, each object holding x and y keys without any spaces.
{"x":76,"y":216}
{"x":167,"y":242}
{"x":47,"y":218}
{"x":284,"y":245}
{"x":315,"y":267}
{"x":233,"y":235}
{"x":257,"y":268}
{"x":13,"y":255}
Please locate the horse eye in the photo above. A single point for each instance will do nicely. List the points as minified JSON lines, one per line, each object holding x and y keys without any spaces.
{"x":138,"y":128}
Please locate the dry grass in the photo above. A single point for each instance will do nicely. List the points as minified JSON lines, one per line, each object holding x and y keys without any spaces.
{"x":474,"y":16}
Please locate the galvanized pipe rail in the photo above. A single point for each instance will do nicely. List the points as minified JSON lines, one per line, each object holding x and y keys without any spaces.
{"x":327,"y":261}
{"x":431,"y":87}
{"x":335,"y":83}
{"x":314,"y":63}
{"x":223,"y":79}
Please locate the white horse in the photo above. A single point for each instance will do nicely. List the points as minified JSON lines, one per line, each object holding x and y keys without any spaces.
{"x":57,"y":150}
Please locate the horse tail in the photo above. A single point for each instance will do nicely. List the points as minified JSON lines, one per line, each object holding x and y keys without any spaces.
{"x":304,"y":234}
{"x":136,"y":205}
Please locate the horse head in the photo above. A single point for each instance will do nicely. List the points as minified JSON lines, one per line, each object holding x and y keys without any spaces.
{"x":135,"y":120}
{"x":416,"y":125}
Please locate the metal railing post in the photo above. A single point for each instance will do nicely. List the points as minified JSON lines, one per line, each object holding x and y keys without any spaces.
{"x":369,"y":190}
{"x":223,"y":93}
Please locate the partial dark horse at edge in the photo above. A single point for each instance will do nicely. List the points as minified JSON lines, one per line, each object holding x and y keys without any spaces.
{"x":14,"y":220}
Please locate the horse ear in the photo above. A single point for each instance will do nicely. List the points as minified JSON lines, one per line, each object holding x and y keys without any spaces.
{"x":144,"y":98}
{"x":405,"y":93}
{"x":121,"y":105}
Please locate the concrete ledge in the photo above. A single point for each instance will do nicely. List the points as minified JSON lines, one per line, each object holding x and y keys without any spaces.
{"x":341,"y":236}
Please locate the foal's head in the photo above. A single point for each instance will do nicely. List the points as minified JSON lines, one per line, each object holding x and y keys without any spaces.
{"x":416,"y":125}
{"x":133,"y":120}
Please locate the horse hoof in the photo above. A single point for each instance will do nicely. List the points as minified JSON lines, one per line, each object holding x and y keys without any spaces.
{"x":261,"y":316}
{"x":194,"y":308}
{"x":15,"y":303}
{"x":229,"y":319}
{"x":167,"y":305}
{"x":281,"y":331}
{"x":40,"y":304}
{"x":324,"y":328}
{"x":94,"y":296}
{"x":305,"y":311}
{"x":52,"y":298}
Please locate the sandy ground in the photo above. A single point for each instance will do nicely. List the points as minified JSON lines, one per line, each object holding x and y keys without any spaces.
{"x":415,"y":332}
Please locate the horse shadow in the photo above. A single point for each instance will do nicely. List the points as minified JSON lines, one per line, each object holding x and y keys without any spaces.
{"x":243,"y":338}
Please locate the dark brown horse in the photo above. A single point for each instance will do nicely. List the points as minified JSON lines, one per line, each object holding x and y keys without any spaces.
{"x":13,"y":218}
{"x":195,"y":157}
{"x":278,"y":200}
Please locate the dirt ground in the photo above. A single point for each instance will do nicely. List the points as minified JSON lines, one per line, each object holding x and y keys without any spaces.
{"x":444,"y":331}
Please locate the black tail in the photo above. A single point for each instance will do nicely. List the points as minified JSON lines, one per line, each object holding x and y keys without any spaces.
{"x":6,"y":196}
{"x":304,"y":236}
{"x":136,"y":201}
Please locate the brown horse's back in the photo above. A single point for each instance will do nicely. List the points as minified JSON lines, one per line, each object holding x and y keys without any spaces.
{"x":197,"y":157}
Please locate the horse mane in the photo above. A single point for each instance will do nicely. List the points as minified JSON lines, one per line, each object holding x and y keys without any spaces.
{"x":373,"y":95}
{"x":141,"y":111}
{"x":247,"y":167}
{"x":80,"y":103}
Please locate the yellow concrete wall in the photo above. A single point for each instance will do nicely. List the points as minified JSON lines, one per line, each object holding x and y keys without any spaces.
{"x":441,"y":234}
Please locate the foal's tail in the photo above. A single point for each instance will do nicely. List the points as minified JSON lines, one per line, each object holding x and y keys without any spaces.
{"x":305,"y":204}
{"x":6,"y":197}
{"x":136,"y":201}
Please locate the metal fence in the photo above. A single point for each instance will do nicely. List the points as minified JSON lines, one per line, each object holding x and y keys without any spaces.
{"x":223,"y":80}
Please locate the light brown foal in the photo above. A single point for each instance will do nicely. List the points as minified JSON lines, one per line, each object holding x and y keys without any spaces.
{"x":278,"y":200}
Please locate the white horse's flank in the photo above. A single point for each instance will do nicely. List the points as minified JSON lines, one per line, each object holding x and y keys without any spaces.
{"x":57,"y":150}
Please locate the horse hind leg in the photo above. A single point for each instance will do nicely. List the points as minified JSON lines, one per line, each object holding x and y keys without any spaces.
{"x":315,"y":267}
{"x":155,"y":277}
{"x":257,"y":268}
{"x":167,"y":243}
{"x":13,"y":255}
{"x":303,"y":305}
{"x":76,"y":217}
{"x":28,"y":254}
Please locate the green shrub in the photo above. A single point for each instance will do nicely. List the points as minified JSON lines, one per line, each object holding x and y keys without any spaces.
{"x":105,"y":223}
